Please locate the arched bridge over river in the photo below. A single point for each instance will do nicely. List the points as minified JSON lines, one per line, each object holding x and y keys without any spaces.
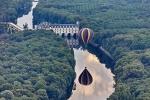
{"x":9,"y":27}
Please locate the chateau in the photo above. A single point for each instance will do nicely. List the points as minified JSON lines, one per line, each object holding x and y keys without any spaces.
{"x":61,"y":29}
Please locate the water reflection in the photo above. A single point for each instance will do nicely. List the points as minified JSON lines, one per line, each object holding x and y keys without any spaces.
{"x":72,"y":42}
{"x":102,"y":86}
{"x":27,"y":19}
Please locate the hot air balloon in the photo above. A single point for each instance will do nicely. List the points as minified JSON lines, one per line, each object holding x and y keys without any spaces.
{"x":85,"y":78}
{"x":86,"y":35}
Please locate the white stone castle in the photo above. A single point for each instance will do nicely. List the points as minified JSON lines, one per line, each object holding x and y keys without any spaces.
{"x":61,"y":29}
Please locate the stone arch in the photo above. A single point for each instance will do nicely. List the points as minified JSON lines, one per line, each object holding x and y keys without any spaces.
{"x":63,"y":35}
{"x":75,"y":36}
{"x":69,"y":35}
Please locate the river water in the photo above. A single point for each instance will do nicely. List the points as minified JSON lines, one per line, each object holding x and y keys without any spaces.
{"x":27,"y":19}
{"x":103,"y":81}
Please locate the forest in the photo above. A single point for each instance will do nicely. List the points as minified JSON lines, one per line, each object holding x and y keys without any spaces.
{"x":35,"y":65}
{"x":121,"y":27}
{"x":11,"y":10}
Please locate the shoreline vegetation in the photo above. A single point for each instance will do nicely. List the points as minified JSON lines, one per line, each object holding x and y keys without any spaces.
{"x":121,"y":27}
{"x":35,"y":65}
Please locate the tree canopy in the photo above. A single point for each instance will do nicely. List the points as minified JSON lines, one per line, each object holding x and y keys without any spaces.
{"x":11,"y":10}
{"x":35,"y":65}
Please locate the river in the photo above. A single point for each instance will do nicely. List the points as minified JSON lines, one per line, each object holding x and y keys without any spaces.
{"x":27,"y":19}
{"x":102,"y":86}
{"x":103,"y":81}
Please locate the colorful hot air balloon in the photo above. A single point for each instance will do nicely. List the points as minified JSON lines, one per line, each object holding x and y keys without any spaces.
{"x":85,"y":78}
{"x":86,"y":35}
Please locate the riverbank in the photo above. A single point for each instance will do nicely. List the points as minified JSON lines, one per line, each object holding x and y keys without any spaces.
{"x":103,"y":55}
{"x":35,"y":65}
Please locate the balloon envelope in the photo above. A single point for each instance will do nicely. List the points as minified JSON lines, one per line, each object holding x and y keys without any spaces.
{"x":86,"y":35}
{"x":85,"y":78}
